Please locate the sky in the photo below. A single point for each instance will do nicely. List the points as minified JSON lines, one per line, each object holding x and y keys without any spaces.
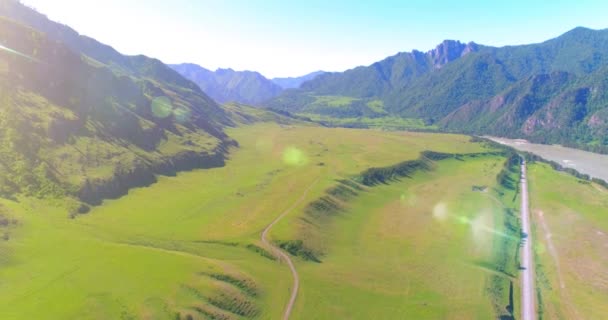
{"x":282,"y":38}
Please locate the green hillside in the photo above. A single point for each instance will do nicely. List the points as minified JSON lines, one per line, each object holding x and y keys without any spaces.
{"x":94,"y":130}
{"x":549,"y":108}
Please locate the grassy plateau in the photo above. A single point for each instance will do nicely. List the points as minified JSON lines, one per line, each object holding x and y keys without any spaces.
{"x":417,"y":237}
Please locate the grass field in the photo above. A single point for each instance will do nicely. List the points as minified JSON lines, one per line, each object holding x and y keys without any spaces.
{"x":406,"y":250}
{"x":187,"y":244}
{"x":570,"y":217}
{"x":382,"y":123}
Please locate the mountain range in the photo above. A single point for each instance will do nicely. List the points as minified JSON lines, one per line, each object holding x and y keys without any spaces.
{"x":552,"y":92}
{"x":248,"y":87}
{"x":227,"y":85}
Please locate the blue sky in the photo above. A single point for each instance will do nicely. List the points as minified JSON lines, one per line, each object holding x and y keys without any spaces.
{"x":291,"y":38}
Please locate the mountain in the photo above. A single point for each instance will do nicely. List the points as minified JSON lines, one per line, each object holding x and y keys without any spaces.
{"x":227,"y":85}
{"x":296,"y":82}
{"x":97,"y":122}
{"x":370,"y":90}
{"x":389,"y":74}
{"x":549,"y":108}
{"x":443,"y":86}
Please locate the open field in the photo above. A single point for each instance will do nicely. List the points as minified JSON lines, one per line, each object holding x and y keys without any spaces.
{"x":383,"y":123}
{"x":420,"y":248}
{"x":189,"y":244}
{"x":570,"y":223}
{"x":593,"y":164}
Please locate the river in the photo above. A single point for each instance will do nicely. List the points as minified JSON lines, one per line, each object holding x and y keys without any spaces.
{"x":593,"y":164}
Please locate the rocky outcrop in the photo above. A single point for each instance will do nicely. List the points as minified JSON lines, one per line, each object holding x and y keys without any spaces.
{"x":450,"y":50}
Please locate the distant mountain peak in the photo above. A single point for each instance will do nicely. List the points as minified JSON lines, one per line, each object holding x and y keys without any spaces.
{"x":228,"y":85}
{"x":450,"y":50}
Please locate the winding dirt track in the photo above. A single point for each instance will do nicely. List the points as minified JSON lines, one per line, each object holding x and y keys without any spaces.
{"x":285,"y":256}
{"x":528,"y":309}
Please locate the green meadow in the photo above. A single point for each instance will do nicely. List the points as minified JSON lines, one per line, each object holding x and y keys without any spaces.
{"x":428,"y":244}
{"x":421,"y":248}
{"x":382,"y":122}
{"x":571,"y":228}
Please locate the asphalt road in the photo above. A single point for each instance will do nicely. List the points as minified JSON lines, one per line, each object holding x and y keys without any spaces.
{"x":528,"y":309}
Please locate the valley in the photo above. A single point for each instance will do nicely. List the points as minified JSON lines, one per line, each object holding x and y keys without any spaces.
{"x":131,"y":188}
{"x":190,"y":243}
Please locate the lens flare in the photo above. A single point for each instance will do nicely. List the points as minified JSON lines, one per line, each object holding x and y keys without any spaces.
{"x":540,"y":248}
{"x":161,"y":107}
{"x":3,"y":48}
{"x":294,"y":157}
{"x":479,"y":225}
{"x":480,"y":229}
{"x":403,"y":199}
{"x":440,"y":211}
{"x":182,"y":115}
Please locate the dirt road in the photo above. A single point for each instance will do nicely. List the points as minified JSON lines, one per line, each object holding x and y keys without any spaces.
{"x":285,"y":256}
{"x":528,"y":309}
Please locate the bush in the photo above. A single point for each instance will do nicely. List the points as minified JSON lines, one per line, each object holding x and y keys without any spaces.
{"x":261,"y":251}
{"x":601,"y":182}
{"x":297,"y":248}
{"x":83,"y":209}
